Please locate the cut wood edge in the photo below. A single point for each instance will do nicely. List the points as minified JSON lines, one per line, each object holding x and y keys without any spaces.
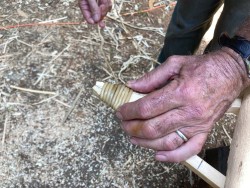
{"x":98,"y":88}
{"x":235,"y":107}
{"x":205,"y":171}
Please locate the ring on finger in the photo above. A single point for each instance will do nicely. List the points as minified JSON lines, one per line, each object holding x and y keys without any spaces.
{"x":181,"y":135}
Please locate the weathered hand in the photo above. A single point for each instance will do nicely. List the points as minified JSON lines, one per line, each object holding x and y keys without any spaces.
{"x":94,"y":11}
{"x":188,"y":93}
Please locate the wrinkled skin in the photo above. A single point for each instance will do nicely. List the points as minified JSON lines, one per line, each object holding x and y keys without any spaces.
{"x":188,"y":93}
{"x":95,"y":11}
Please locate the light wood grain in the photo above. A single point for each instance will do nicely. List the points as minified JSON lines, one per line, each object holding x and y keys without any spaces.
{"x":238,"y":173}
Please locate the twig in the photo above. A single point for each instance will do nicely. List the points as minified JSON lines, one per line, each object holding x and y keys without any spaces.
{"x":53,"y":21}
{"x":165,"y":171}
{"x":44,"y":100}
{"x":8,"y":55}
{"x":104,"y":56}
{"x":61,"y":103}
{"x":132,"y":60}
{"x":120,"y":7}
{"x":105,"y":70}
{"x":22,"y":42}
{"x":143,"y":11}
{"x":53,"y":59}
{"x":58,"y":55}
{"x":15,"y":104}
{"x":6,"y":44}
{"x":229,"y":137}
{"x":72,"y":107}
{"x":38,"y":24}
{"x":4,"y":130}
{"x":157,"y":30}
{"x":90,"y":103}
{"x":33,"y":91}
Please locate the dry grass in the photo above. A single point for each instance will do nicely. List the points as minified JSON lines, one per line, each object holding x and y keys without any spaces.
{"x":70,"y":138}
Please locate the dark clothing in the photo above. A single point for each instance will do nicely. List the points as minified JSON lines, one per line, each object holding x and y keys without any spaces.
{"x":192,"y":18}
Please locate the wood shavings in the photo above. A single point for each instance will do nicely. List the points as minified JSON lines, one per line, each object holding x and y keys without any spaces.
{"x":37,"y":147}
{"x":105,"y":58}
{"x":151,"y":3}
{"x":50,"y":62}
{"x":157,"y":30}
{"x":60,"y":102}
{"x":33,"y":91}
{"x":132,"y":60}
{"x":54,"y":20}
{"x":229,"y":137}
{"x":72,"y":107}
{"x":22,"y":13}
{"x":4,"y":130}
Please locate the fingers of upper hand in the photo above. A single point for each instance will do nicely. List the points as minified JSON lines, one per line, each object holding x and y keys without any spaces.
{"x":106,"y":7}
{"x":152,"y":105}
{"x":187,"y":150}
{"x":166,"y":123}
{"x":158,"y":77}
{"x":155,"y":127}
{"x":90,"y":10}
{"x":84,"y":6}
{"x":166,"y":143}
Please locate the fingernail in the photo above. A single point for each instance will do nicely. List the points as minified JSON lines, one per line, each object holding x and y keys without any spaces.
{"x":119,"y":115}
{"x":161,"y":158}
{"x":91,"y":21}
{"x":96,"y":18}
{"x":102,"y":24}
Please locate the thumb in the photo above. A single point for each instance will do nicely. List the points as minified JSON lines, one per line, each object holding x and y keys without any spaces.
{"x":158,"y":77}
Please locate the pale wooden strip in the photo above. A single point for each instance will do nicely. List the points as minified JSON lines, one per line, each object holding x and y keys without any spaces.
{"x":205,"y":171}
{"x":33,"y":91}
{"x":239,"y":157}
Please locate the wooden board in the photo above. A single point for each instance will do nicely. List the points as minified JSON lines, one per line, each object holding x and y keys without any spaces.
{"x":238,"y":172}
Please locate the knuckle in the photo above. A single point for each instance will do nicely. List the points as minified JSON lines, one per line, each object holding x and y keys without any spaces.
{"x":195,"y":109}
{"x":173,"y":58}
{"x":149,"y":130}
{"x":169,"y":144}
{"x":144,"y":110}
{"x":125,"y":126}
{"x":188,"y":92}
{"x":200,"y":115}
{"x":147,"y":77}
{"x":197,"y":112}
{"x":95,"y":11}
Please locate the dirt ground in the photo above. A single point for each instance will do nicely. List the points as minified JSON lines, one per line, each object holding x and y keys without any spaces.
{"x":62,"y":135}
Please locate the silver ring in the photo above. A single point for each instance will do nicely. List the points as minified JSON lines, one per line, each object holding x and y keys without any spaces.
{"x":180,"y":134}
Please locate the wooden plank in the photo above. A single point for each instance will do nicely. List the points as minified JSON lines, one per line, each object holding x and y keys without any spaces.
{"x":238,"y":172}
{"x":205,"y":171}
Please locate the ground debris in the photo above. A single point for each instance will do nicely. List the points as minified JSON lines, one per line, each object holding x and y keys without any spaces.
{"x":89,"y":149}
